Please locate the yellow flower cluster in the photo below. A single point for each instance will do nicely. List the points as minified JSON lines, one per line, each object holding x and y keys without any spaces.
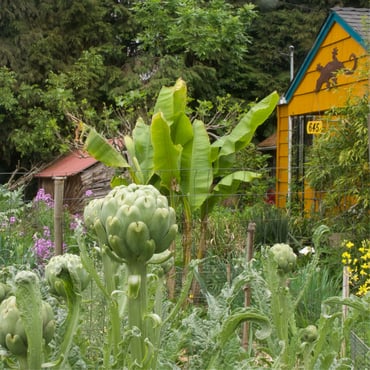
{"x":357,"y":261}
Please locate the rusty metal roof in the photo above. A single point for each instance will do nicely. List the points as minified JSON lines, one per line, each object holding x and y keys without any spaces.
{"x":69,"y":165}
{"x":269,"y":143}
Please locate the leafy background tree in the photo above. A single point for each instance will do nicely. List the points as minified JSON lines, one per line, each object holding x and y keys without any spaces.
{"x":105,"y":61}
{"x":339,"y":161}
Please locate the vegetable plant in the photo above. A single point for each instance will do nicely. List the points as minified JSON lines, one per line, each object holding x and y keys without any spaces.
{"x":26,"y":322}
{"x":134,"y":226}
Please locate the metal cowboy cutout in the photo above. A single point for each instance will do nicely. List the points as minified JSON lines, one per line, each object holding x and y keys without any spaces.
{"x":328,"y":73}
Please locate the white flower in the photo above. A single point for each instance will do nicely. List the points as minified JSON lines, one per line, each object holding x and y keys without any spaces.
{"x":307,"y":250}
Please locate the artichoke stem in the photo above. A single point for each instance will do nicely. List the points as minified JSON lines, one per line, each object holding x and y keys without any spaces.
{"x":137,"y":307}
{"x":114,"y":335}
{"x":73,"y":302}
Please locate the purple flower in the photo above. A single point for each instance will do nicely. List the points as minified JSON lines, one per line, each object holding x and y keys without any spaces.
{"x":46,"y":232}
{"x":12,"y":220}
{"x":89,"y":193}
{"x":76,"y":220}
{"x":41,"y":196}
{"x":42,"y":248}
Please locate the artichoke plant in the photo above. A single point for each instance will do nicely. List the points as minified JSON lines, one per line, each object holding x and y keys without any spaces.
{"x":12,"y":332}
{"x":67,"y":278}
{"x":26,"y":322}
{"x":134,"y":225}
{"x":63,"y":270}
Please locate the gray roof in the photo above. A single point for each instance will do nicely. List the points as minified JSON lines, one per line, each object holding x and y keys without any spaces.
{"x":357,"y":18}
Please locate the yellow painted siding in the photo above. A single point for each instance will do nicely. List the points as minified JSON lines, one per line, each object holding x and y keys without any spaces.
{"x":306,"y":100}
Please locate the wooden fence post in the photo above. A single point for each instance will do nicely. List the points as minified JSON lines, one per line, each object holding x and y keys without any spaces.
{"x":247,"y":288}
{"x":58,"y":214}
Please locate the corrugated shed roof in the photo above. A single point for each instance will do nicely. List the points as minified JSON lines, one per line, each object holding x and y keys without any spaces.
{"x":357,"y":18}
{"x":69,"y":165}
{"x":269,"y":143}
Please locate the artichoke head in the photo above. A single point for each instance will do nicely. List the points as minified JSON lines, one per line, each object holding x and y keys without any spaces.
{"x":310,"y":333}
{"x":134,"y":221}
{"x":65,"y":272}
{"x":12,"y":333}
{"x":284,"y":257}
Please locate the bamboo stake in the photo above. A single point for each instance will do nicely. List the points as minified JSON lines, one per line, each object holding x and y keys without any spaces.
{"x":247,"y":288}
{"x":58,"y":214}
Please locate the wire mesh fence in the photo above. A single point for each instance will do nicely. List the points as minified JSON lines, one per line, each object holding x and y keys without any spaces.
{"x":360,"y":351}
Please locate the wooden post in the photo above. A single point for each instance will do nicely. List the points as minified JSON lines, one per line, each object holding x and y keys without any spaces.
{"x":345,"y":294}
{"x":247,"y":289}
{"x":58,"y":214}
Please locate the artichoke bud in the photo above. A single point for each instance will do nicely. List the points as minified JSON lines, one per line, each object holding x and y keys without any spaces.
{"x":284,"y":257}
{"x":114,"y":226}
{"x":16,"y":345}
{"x":159,"y":224}
{"x":118,"y":246}
{"x":134,"y":282}
{"x":12,"y":332}
{"x":310,"y":333}
{"x":92,"y":212}
{"x":136,"y":220}
{"x":100,"y":232}
{"x":147,"y":206}
{"x":148,"y":251}
{"x":167,"y":239}
{"x":137,"y":236}
{"x":64,"y":270}
{"x":162,"y":202}
{"x":109,"y":208}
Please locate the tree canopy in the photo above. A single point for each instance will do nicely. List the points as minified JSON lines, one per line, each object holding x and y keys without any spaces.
{"x":106,"y":60}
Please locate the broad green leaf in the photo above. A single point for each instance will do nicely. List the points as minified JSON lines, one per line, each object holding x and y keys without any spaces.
{"x":182,"y":130}
{"x":135,"y":169}
{"x":230,"y":183}
{"x":196,"y":167}
{"x":233,"y":321}
{"x":171,"y":101}
{"x":243,"y":132}
{"x":102,"y":151}
{"x":144,"y":149}
{"x":166,"y":155}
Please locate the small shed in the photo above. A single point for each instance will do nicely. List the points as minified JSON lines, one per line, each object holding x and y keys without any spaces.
{"x":81,"y":173}
{"x":332,"y":70}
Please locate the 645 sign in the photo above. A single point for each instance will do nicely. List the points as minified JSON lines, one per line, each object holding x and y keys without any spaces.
{"x":314,"y":127}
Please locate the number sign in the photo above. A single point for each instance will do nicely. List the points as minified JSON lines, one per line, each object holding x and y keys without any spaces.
{"x":314,"y":127}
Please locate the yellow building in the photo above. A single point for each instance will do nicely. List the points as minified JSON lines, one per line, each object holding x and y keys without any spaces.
{"x":333,"y":69}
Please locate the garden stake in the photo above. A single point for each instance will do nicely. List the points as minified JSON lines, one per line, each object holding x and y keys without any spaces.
{"x":247,"y":288}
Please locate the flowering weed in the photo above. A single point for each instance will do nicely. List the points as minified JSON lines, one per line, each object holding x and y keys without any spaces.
{"x":357,"y":260}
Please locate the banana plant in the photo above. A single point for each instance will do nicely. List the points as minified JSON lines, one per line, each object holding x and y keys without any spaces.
{"x":176,"y":155}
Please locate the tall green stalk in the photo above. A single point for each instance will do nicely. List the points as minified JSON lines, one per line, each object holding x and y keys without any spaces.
{"x":67,"y":278}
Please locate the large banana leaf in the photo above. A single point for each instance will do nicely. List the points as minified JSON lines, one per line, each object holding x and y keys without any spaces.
{"x":196,"y":167}
{"x":243,"y":132}
{"x":166,"y":154}
{"x":143,"y":150}
{"x":100,"y":149}
{"x":171,"y":101}
{"x":227,"y":186}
